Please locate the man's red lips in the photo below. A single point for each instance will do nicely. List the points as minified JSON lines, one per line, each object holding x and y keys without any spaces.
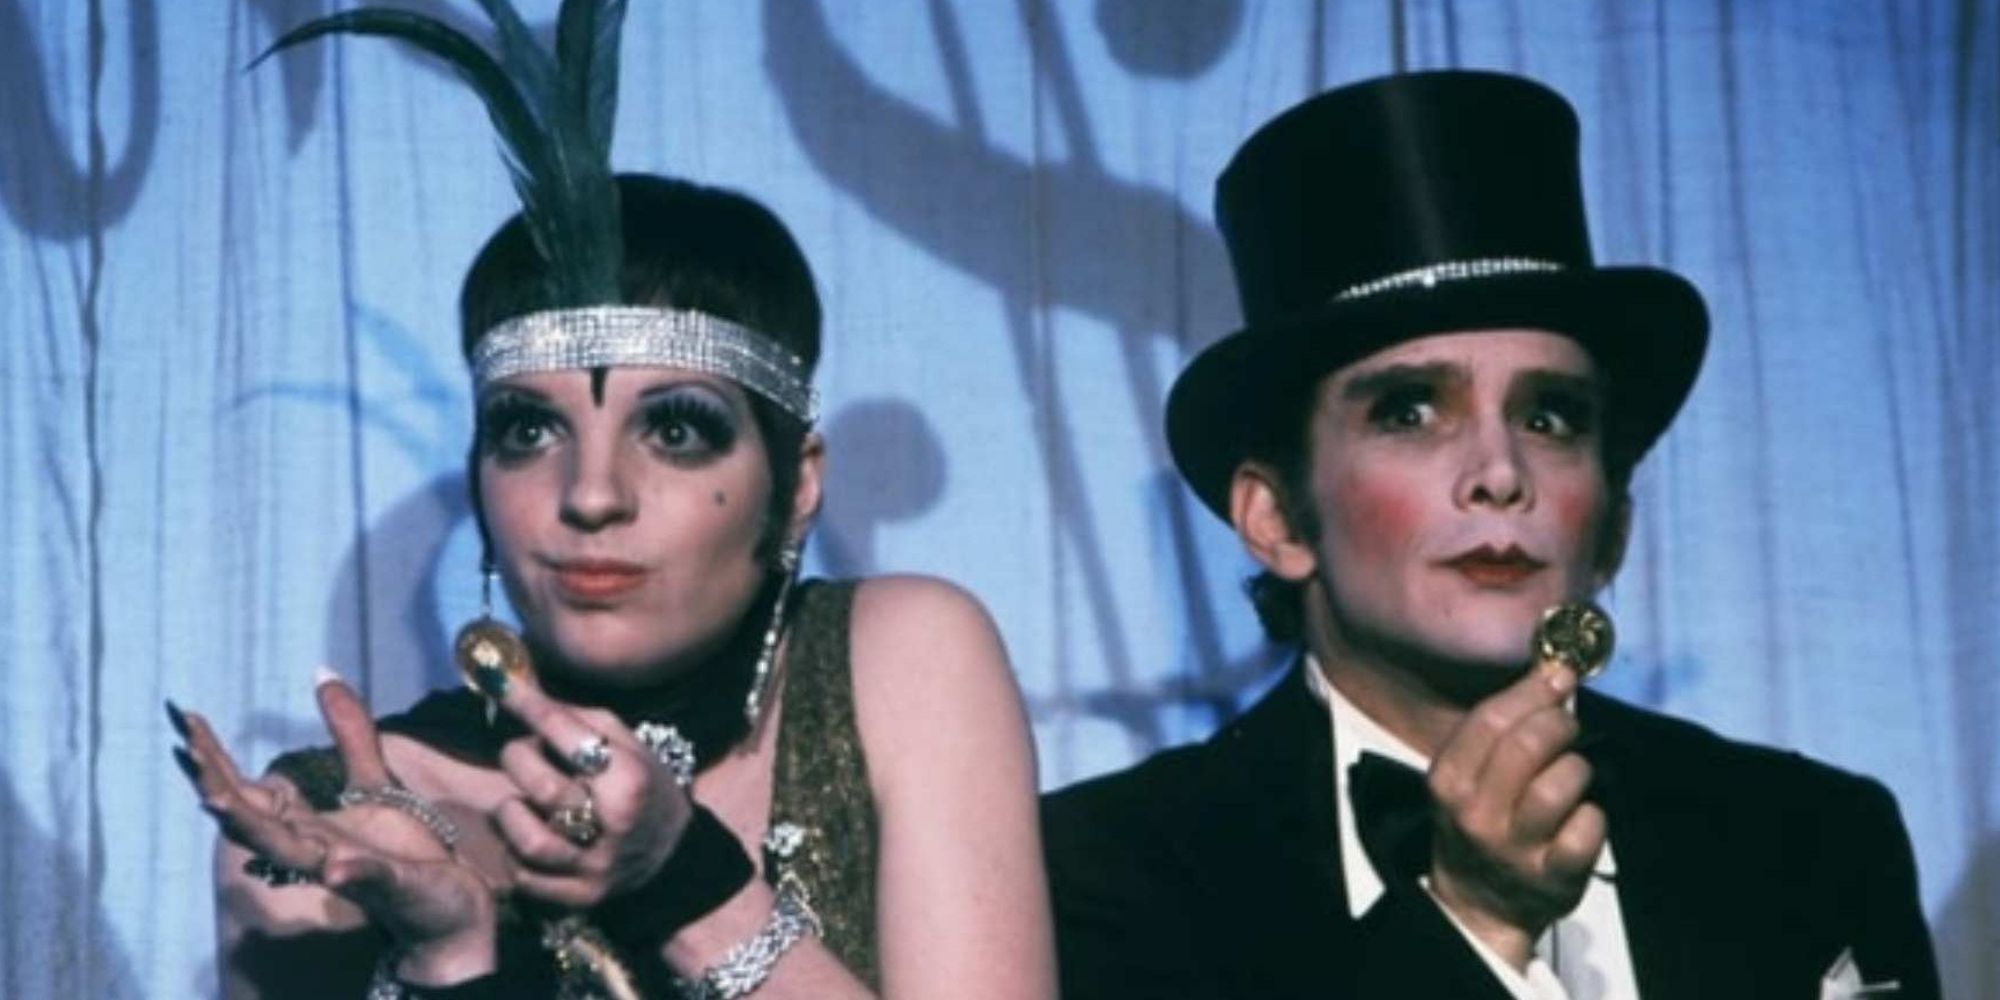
{"x":1490,"y":566}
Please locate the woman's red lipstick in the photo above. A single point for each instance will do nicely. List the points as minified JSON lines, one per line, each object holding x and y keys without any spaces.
{"x":597,"y":579}
{"x":1487,"y":566}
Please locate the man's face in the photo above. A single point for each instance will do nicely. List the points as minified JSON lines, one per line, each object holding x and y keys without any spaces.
{"x":1460,"y":490}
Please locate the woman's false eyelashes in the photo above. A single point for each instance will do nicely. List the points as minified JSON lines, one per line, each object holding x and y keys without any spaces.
{"x":515,"y":424}
{"x":688,"y":421}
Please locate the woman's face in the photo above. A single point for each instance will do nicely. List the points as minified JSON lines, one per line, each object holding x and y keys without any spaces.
{"x":626,"y":524}
{"x":1460,"y":490}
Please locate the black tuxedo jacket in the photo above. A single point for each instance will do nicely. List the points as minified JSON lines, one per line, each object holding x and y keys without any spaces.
{"x":1213,"y":870}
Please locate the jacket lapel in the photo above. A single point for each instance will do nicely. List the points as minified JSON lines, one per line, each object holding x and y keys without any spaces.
{"x":1264,"y":837}
{"x":1260,"y":834}
{"x":1655,"y":829}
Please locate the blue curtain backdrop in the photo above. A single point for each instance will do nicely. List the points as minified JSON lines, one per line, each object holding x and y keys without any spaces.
{"x":234,"y":412}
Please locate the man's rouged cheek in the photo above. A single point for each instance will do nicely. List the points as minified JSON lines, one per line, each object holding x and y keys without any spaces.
{"x":1577,"y":509}
{"x":1383,"y":512}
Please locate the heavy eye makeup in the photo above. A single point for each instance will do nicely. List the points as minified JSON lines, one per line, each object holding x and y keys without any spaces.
{"x":1403,"y":408}
{"x":514,"y":425}
{"x":1561,"y":407}
{"x":1402,"y":399}
{"x":689,"y":422}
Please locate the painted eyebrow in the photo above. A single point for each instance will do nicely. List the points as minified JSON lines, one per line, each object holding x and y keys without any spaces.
{"x":1368,"y":385}
{"x":661,"y":390}
{"x":1545,"y":379}
{"x":503,"y":391}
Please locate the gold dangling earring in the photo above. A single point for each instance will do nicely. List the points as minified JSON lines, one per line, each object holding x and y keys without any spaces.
{"x":767,"y":654}
{"x":486,"y":651}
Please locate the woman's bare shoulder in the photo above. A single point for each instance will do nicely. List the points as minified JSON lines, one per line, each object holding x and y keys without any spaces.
{"x":892,"y":608}
{"x":930,"y":671}
{"x":904,"y":624}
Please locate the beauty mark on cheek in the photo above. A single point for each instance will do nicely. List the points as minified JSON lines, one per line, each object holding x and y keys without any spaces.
{"x":721,"y":499}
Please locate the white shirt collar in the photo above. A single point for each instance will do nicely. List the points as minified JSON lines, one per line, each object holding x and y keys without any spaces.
{"x":1354,"y":734}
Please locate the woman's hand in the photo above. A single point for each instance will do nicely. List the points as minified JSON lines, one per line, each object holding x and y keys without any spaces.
{"x":431,"y":899}
{"x":584,"y":830}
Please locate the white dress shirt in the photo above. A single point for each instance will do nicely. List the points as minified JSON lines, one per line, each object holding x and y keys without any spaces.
{"x":1583,"y":956}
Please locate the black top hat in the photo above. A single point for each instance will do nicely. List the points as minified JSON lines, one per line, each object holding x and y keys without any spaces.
{"x":1407,"y":206}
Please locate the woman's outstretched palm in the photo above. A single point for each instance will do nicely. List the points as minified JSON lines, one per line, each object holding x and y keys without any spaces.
{"x":382,"y":864}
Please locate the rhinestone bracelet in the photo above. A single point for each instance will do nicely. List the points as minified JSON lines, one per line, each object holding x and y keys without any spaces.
{"x":408,"y":803}
{"x":747,"y":965}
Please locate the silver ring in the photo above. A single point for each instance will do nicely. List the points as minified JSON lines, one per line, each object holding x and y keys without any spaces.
{"x":592,"y":756}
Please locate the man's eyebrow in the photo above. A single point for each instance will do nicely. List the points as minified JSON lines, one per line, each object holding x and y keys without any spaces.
{"x":1545,"y":379}
{"x":1369,"y":385}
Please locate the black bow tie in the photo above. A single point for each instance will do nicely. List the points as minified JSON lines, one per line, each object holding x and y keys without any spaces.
{"x":1392,"y":814}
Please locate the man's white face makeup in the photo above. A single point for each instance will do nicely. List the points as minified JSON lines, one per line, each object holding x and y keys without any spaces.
{"x":1459,"y":485}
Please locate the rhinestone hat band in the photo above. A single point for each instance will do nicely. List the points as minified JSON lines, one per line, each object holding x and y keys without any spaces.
{"x":644,"y":336}
{"x":1452,"y":270}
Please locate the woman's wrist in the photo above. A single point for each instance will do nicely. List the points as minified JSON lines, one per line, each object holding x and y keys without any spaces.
{"x":450,"y":960}
{"x":708,"y":868}
{"x":710,"y":969}
{"x":704,"y":942}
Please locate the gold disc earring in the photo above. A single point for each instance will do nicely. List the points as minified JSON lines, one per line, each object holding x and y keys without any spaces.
{"x":486,"y":651}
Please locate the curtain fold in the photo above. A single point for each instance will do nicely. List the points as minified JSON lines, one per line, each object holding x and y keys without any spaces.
{"x":233,"y":418}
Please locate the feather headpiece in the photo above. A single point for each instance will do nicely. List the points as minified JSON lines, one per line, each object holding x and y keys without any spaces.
{"x":554,"y":113}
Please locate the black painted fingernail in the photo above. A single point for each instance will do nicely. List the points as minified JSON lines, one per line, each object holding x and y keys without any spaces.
{"x":187,"y":765}
{"x":177,"y":718}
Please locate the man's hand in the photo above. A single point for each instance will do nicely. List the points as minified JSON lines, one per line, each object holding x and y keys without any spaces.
{"x":1515,"y":841}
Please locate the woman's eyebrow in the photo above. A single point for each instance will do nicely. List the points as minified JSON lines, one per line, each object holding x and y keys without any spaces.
{"x":505,"y":390}
{"x":1369,"y":385}
{"x":671,"y":386}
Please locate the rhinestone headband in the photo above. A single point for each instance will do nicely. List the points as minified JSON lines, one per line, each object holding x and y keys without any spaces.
{"x":1429,"y":275}
{"x":645,"y":336}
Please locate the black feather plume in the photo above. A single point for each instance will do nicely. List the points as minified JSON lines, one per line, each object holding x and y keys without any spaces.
{"x":553,"y":114}
{"x":587,"y":51}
